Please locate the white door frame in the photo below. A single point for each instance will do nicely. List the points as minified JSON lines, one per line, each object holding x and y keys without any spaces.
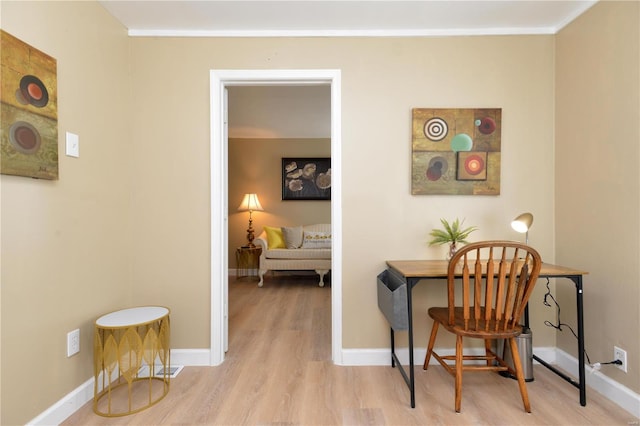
{"x":220,"y":79}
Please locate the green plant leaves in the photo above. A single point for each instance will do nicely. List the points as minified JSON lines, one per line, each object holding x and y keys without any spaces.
{"x":452,"y":233}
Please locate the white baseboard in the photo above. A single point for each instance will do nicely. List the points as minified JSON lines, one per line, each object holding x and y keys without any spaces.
{"x":191,"y":357}
{"x":72,"y":402}
{"x":609,"y":388}
{"x":68,"y":405}
{"x":601,"y":383}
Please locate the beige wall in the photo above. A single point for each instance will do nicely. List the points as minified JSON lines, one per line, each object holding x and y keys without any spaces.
{"x":382,"y":79}
{"x":279,"y":112}
{"x":129,"y":221}
{"x":66,"y":256}
{"x":598,"y":179}
{"x":255,"y":166}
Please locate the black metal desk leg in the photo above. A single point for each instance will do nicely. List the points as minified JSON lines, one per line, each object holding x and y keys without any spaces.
{"x":583,"y":386}
{"x":393,"y":348}
{"x":412,"y":382}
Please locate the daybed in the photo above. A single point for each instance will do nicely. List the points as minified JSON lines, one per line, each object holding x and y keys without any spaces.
{"x":295,"y":248}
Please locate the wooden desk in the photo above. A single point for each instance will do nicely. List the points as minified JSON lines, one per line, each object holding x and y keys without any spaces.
{"x":413,"y":271}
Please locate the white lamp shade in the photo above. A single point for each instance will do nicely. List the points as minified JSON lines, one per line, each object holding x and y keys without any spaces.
{"x":250,"y":202}
{"x":522,"y":223}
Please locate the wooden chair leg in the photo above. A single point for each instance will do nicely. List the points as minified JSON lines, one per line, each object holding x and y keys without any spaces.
{"x":487,"y":351}
{"x":432,"y":341}
{"x":519,"y":374}
{"x":458,"y":372}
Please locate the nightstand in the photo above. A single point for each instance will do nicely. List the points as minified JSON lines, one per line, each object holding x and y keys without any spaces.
{"x":248,"y":261}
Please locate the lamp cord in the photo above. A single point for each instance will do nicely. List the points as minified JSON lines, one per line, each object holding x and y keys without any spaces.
{"x":559,"y":324}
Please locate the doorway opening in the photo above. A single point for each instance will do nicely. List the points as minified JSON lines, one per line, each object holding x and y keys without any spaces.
{"x":220,"y":80}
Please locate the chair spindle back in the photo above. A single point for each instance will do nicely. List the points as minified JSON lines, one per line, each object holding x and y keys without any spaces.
{"x":497,"y":278}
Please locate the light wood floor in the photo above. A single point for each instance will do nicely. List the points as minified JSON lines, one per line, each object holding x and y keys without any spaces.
{"x":278,"y":371}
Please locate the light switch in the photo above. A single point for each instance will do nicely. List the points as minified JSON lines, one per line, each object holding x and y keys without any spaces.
{"x":73,"y":145}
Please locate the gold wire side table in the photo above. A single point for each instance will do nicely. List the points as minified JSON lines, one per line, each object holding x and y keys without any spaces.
{"x":248,"y":261}
{"x":131,"y":354}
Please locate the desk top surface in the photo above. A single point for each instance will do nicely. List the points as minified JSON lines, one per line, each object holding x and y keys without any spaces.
{"x":438,"y":269}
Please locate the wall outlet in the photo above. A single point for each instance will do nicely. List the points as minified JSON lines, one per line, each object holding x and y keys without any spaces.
{"x":620,"y":354}
{"x":73,"y":342}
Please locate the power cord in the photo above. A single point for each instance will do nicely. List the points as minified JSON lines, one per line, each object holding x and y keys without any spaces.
{"x":597,"y":365}
{"x":559,"y":324}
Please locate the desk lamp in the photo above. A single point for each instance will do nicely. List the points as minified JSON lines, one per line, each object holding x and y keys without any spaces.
{"x":522,"y":223}
{"x":250,"y":203}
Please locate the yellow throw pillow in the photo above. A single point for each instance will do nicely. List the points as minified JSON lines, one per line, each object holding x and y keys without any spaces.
{"x":274,"y":237}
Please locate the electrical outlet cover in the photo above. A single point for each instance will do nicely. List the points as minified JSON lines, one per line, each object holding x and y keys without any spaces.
{"x":620,"y":354}
{"x":73,"y":342}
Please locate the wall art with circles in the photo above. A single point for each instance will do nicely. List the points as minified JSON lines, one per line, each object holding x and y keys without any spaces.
{"x":456,"y":151}
{"x":28,"y":110}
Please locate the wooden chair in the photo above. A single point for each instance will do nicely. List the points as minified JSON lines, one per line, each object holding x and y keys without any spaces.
{"x":497,"y":280}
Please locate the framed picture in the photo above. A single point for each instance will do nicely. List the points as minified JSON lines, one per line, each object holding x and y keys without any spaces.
{"x":306,"y":178}
{"x":456,"y":151}
{"x":28,"y":110}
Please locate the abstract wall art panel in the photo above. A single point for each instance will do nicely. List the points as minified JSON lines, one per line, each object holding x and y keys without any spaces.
{"x":456,"y":151}
{"x":28,"y":110}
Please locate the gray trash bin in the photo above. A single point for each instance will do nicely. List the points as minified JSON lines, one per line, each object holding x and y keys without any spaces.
{"x":525,"y":349}
{"x":392,"y":300}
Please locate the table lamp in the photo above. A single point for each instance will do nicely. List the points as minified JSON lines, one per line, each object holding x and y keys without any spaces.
{"x":522,"y":223}
{"x":250,"y":203}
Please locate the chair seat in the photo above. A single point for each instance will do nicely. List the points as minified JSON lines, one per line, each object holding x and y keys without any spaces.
{"x":482,"y":330}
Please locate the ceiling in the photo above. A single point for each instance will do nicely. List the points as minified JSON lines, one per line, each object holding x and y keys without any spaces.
{"x":240,"y":18}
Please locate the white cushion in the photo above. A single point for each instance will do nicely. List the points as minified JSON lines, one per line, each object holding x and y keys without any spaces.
{"x":316,"y":240}
{"x":301,"y":253}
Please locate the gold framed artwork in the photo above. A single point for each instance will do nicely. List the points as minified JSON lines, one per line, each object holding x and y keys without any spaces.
{"x":456,"y":151}
{"x":28,"y":110}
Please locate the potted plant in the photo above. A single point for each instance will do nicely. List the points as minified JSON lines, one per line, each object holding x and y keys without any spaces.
{"x":452,"y":234}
